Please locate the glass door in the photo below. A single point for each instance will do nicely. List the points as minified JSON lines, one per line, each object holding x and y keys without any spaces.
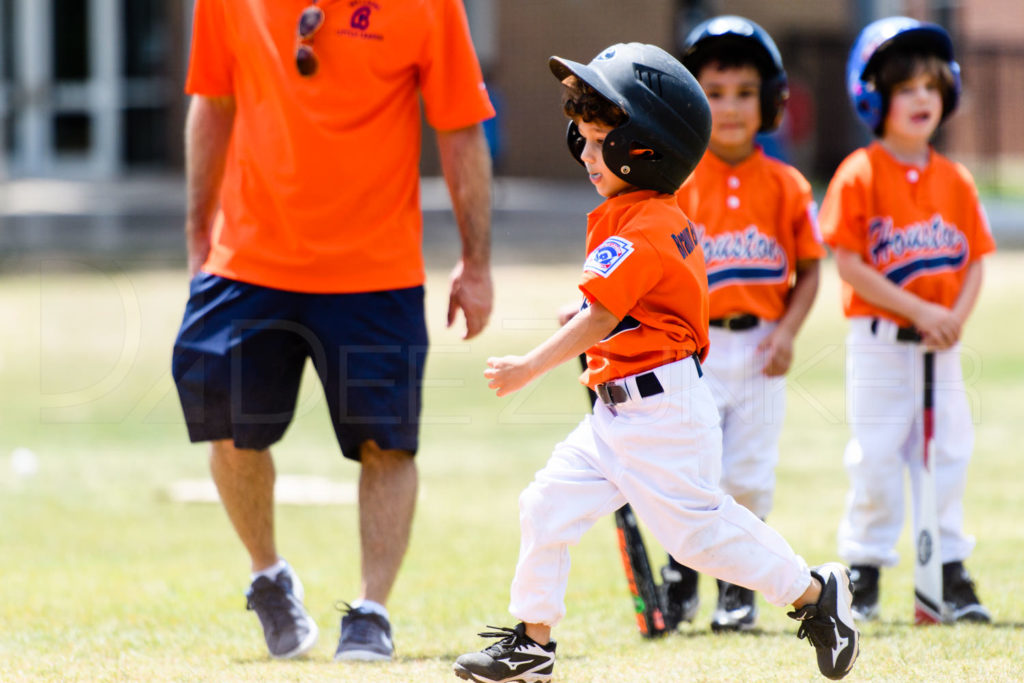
{"x":61,"y":91}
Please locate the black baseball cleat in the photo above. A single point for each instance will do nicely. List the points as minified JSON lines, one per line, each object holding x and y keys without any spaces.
{"x":736,"y":609}
{"x":679,"y":596}
{"x":864,"y":578}
{"x":828,"y":624}
{"x":516,"y":658}
{"x":287,"y":628}
{"x":962,"y":602}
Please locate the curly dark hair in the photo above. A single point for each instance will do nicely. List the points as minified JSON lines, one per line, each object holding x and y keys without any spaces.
{"x":580,"y":100}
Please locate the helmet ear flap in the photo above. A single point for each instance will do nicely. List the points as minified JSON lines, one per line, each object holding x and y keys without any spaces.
{"x":774,"y":93}
{"x":869,"y":105}
{"x":575,"y":140}
{"x":951,"y":98}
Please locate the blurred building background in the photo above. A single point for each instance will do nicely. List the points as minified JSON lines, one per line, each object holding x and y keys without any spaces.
{"x":91,"y":90}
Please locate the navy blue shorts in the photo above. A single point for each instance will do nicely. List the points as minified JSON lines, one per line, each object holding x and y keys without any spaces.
{"x":241,"y":350}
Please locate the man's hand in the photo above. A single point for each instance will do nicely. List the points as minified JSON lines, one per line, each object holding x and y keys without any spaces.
{"x":473,"y":293}
{"x":197,"y":247}
{"x":508,"y":374}
{"x":777,"y":351}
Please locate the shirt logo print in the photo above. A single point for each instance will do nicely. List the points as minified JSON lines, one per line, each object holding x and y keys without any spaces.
{"x":608,"y":256}
{"x":906,"y":252}
{"x":360,"y":18}
{"x":745,"y":256}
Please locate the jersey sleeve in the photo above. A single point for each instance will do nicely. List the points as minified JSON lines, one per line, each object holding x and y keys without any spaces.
{"x":807,"y":233}
{"x":979,"y":232}
{"x":843,"y":216}
{"x":210,"y":63}
{"x":454,"y":94}
{"x":619,"y":271}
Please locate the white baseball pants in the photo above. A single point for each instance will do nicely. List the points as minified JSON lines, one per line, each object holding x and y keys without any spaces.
{"x":662,"y":455}
{"x":752,"y":407}
{"x":884,"y":384}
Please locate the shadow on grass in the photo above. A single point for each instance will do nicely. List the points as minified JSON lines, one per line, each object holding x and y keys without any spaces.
{"x":896,"y":626}
{"x":756,"y":632}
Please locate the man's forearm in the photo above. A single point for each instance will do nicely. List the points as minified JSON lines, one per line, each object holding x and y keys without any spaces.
{"x":207,"y":136}
{"x":466,"y":163}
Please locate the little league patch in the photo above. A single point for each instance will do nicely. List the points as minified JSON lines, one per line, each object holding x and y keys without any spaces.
{"x":608,"y":255}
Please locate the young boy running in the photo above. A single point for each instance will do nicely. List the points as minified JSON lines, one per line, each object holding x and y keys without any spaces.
{"x":909,"y":235}
{"x":639,"y":124}
{"x":758,"y":226}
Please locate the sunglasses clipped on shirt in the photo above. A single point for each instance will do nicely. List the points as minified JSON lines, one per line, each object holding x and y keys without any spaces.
{"x":310,"y":21}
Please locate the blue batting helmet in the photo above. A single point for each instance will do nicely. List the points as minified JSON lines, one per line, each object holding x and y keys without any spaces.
{"x":869,"y":50}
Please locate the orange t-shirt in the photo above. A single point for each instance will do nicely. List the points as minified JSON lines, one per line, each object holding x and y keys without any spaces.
{"x":321,"y":188}
{"x":645,"y":266}
{"x":755,"y":221}
{"x":920,"y":228}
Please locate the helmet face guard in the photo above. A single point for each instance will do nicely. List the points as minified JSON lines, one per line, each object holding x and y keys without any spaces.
{"x":745,"y":35}
{"x":869,"y":50}
{"x":668,"y":124}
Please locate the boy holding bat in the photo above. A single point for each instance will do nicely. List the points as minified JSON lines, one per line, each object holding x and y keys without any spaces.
{"x":909,"y":234}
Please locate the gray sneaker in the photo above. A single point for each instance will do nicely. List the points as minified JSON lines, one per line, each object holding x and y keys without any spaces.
{"x":287,"y":628}
{"x":365,"y":636}
{"x":828,"y":624}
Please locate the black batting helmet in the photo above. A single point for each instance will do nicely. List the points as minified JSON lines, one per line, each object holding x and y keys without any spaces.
{"x":668,"y":115}
{"x":746,"y":38}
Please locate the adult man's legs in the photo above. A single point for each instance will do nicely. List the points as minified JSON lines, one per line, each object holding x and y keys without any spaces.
{"x":245,"y":482}
{"x":387,"y":499}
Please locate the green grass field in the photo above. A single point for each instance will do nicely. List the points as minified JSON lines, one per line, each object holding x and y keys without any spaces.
{"x":104,"y":578}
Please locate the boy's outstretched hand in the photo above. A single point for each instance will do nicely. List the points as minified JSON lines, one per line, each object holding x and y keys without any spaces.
{"x":508,"y":374}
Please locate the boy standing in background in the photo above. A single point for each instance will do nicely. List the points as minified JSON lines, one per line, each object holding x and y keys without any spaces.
{"x":909,"y":234}
{"x":758,"y":226}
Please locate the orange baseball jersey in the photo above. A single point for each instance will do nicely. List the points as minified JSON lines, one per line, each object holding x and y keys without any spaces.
{"x":645,"y":265}
{"x":321,"y":188}
{"x":755,"y":220}
{"x":918,"y":227}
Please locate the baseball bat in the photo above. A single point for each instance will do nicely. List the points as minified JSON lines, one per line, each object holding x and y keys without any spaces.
{"x":642,"y":588}
{"x":928,"y":603}
{"x":646,"y":602}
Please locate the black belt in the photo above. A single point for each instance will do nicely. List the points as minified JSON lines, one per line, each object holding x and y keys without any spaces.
{"x":903,"y":334}
{"x":743,"y":321}
{"x":614,"y":392}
